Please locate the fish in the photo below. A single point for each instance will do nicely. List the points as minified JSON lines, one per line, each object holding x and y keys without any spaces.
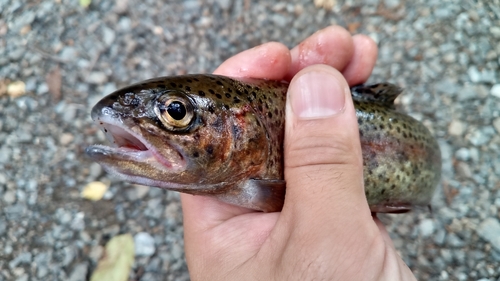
{"x":219,"y":136}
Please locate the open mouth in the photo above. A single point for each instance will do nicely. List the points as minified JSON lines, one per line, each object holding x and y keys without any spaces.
{"x":131,"y":146}
{"x":123,"y":139}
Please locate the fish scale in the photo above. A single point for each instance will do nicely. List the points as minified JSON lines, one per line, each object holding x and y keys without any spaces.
{"x":228,"y":141}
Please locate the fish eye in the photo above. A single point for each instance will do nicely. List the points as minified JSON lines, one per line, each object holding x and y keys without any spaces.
{"x":174,"y":111}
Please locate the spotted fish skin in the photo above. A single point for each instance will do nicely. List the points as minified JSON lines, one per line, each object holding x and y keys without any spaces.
{"x":401,"y":158}
{"x":223,"y":137}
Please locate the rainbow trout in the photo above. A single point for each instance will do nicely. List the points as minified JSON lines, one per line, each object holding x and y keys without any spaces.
{"x":223,"y":137}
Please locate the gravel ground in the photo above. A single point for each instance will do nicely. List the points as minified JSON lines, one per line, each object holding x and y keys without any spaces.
{"x":445,"y":53}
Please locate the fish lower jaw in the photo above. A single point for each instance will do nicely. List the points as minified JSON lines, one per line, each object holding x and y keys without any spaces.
{"x":114,"y":156}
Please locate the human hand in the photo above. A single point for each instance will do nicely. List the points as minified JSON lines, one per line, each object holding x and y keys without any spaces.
{"x":325,"y":230}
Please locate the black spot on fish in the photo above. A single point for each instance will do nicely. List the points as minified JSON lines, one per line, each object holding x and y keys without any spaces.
{"x":218,"y":96}
{"x":229,"y":90}
{"x":189,"y":80}
{"x":228,"y":95}
{"x":270,"y":115}
{"x":196,"y":154}
{"x":209,"y":149}
{"x":211,"y":109}
{"x":201,"y":93}
{"x":239,"y":93}
{"x":211,"y":91}
{"x":226,"y":107}
{"x":163,"y":86}
{"x":173,"y":84}
{"x":219,"y":83}
{"x":188,"y":88}
{"x":196,"y":79}
{"x":236,"y":100}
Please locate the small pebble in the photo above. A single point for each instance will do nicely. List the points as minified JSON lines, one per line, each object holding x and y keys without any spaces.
{"x":144,"y":244}
{"x":456,"y":128}
{"x":495,"y":90}
{"x":489,"y":230}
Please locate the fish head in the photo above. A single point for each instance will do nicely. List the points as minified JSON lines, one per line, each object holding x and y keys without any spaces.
{"x":175,"y":133}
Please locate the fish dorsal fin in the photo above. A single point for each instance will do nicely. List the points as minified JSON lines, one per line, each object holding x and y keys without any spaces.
{"x":382,"y":93}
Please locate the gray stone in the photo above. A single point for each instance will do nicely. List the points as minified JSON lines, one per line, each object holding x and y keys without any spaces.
{"x":484,"y":75}
{"x":454,"y":241}
{"x":463,"y":154}
{"x":15,"y":212}
{"x":9,"y":197}
{"x":79,"y":272}
{"x":426,"y":227}
{"x":97,"y":77}
{"x":224,"y":4}
{"x":497,"y":202}
{"x":23,"y":277}
{"x":439,"y":237}
{"x":108,"y":35}
{"x":479,"y":137}
{"x":69,"y":253}
{"x":456,"y":128}
{"x":23,"y":258}
{"x":496,"y":124}
{"x":391,"y":4}
{"x":42,"y":88}
{"x":463,"y":170}
{"x":495,"y":90}
{"x":95,"y":170}
{"x":489,"y":230}
{"x":69,"y":53}
{"x":447,"y":86}
{"x":144,"y":244}
{"x":495,"y":31}
{"x":467,"y":92}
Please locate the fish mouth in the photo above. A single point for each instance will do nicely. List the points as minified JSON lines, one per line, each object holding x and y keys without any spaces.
{"x":131,"y":147}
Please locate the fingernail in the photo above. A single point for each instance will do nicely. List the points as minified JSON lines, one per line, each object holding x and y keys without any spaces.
{"x":316,"y":95}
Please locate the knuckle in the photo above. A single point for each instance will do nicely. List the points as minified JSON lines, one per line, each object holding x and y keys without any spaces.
{"x":314,"y":149}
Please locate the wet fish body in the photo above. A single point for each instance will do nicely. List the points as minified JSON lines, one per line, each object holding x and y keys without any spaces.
{"x":223,"y":137}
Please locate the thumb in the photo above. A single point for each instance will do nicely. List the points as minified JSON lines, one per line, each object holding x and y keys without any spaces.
{"x":323,"y":162}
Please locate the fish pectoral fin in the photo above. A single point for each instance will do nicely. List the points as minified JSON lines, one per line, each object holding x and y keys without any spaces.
{"x":382,"y":93}
{"x":268,"y":195}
